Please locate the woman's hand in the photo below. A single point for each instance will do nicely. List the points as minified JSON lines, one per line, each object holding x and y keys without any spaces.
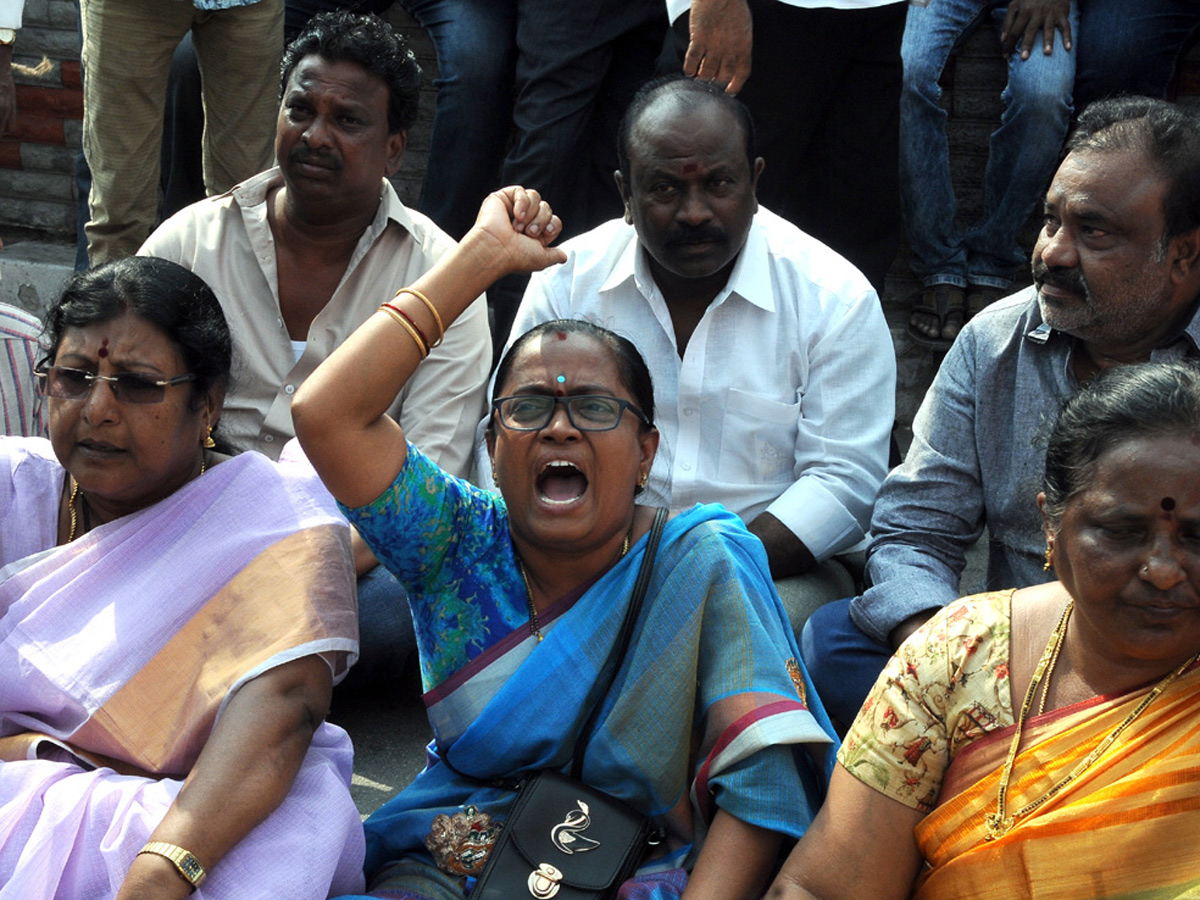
{"x":242,"y":775}
{"x":517,"y":226}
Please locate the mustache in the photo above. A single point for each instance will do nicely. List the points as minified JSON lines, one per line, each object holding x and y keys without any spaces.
{"x":696,"y":235}
{"x":1066,"y":279}
{"x":303,"y":154}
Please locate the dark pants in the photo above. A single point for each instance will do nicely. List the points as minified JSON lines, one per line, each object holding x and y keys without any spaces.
{"x":842,"y":661}
{"x":825,"y":93}
{"x":530,"y":92}
{"x":1131,"y":47}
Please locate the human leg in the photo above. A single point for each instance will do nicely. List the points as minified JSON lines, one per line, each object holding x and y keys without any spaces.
{"x":827,"y":124}
{"x":181,"y":159}
{"x":939,"y":259}
{"x":1131,"y":48}
{"x":476,"y":50}
{"x":1022,"y":157}
{"x":566,"y":53}
{"x":842,"y":662}
{"x":124,"y":92}
{"x":239,"y":51}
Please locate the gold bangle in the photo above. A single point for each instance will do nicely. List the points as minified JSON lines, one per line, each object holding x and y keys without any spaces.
{"x":432,"y":309}
{"x":189,"y":867}
{"x":421,"y":348}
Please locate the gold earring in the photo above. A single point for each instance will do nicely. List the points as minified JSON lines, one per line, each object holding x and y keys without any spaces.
{"x":642,"y":481}
{"x":208,"y":443}
{"x":1049,"y":558}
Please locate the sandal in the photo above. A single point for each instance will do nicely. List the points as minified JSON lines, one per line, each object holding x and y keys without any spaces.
{"x":947,"y":304}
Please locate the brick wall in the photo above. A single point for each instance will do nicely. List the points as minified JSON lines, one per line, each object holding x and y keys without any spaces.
{"x":37,"y":159}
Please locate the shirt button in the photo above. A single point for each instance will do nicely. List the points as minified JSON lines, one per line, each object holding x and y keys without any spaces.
{"x":269,"y":439}
{"x":289,"y":389}
{"x":279,"y":322}
{"x":688,"y":412}
{"x":687,"y":467}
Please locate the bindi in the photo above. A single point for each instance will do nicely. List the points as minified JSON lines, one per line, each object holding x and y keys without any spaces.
{"x":103,"y":351}
{"x":1167,"y":504}
{"x":562,"y":336}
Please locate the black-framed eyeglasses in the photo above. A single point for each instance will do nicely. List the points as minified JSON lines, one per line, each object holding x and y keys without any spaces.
{"x":65,"y":383}
{"x":587,"y":412}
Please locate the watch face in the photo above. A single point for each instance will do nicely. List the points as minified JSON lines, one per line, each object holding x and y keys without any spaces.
{"x":7,"y":35}
{"x":191,"y":868}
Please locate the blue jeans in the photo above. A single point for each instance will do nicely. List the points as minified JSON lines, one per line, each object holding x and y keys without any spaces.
{"x":1022,"y":152}
{"x":1131,"y":48}
{"x":477,"y":54}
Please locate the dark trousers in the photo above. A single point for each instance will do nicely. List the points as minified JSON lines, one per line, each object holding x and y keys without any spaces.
{"x":824,"y":90}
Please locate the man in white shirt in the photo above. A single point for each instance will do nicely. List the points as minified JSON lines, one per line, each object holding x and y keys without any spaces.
{"x":774,"y":373}
{"x":303,"y":254}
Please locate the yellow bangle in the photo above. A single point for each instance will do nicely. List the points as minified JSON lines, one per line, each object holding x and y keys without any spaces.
{"x":432,"y":310}
{"x":421,"y":348}
{"x":189,"y":867}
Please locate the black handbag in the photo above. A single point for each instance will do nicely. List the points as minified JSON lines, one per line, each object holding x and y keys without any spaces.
{"x":563,"y":839}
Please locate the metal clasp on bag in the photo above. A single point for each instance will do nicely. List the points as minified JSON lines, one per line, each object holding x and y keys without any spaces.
{"x":544,"y":881}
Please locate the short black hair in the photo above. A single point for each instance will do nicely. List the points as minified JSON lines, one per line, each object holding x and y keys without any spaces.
{"x":1142,"y":400}
{"x":1166,"y":134}
{"x":368,"y":41}
{"x":173,"y":299}
{"x":691,"y":93}
{"x":631,"y":367}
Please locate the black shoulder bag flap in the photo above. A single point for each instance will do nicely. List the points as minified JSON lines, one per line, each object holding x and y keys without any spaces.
{"x":563,"y":839}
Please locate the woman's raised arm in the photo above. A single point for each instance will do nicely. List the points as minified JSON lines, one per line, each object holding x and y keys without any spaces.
{"x":340,"y":412}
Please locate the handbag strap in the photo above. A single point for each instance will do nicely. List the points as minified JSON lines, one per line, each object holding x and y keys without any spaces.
{"x":626,"y":635}
{"x":618,"y":653}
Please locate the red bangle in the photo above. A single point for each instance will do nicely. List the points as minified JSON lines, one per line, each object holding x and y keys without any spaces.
{"x":409,"y":319}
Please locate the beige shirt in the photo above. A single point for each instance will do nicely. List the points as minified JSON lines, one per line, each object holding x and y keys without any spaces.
{"x":227,"y":241}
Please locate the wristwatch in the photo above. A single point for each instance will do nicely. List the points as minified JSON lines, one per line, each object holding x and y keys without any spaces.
{"x":187,"y":864}
{"x":8,"y":35}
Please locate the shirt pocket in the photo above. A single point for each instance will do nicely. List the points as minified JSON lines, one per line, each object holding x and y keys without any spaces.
{"x":758,"y":439}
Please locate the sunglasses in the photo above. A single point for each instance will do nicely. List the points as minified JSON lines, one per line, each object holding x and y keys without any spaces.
{"x":65,"y":383}
{"x":587,"y":412}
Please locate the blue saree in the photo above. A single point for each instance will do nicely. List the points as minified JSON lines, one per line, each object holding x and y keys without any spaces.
{"x":711,"y":706}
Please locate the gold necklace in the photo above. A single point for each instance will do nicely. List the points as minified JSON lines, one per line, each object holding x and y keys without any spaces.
{"x":997,"y":823}
{"x":533,"y":616}
{"x":75,"y":494}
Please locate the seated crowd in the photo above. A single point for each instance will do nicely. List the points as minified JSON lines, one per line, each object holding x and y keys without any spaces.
{"x":263,"y":456}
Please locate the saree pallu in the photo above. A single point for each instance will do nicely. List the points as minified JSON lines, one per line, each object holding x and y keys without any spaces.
{"x":711,"y":705}
{"x":1127,"y":827}
{"x":118,"y":653}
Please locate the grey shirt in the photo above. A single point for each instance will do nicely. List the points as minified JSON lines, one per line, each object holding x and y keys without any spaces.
{"x":977,"y":457}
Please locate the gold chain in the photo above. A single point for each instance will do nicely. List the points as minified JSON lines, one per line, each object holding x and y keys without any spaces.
{"x":997,"y":823}
{"x":75,"y":494}
{"x":533,"y":616}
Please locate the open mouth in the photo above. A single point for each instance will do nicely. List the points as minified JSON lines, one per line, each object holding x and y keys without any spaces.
{"x":561,"y":482}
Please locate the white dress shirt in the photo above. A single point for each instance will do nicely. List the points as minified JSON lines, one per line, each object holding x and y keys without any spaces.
{"x":784,"y":399}
{"x":227,"y":241}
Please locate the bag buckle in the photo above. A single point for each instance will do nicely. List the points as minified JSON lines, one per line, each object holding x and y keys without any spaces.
{"x":544,"y":881}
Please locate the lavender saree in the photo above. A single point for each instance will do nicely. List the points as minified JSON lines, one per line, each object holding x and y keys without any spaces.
{"x":119,"y":651}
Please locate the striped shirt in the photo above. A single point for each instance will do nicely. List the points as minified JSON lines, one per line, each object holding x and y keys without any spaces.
{"x":21,"y":408}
